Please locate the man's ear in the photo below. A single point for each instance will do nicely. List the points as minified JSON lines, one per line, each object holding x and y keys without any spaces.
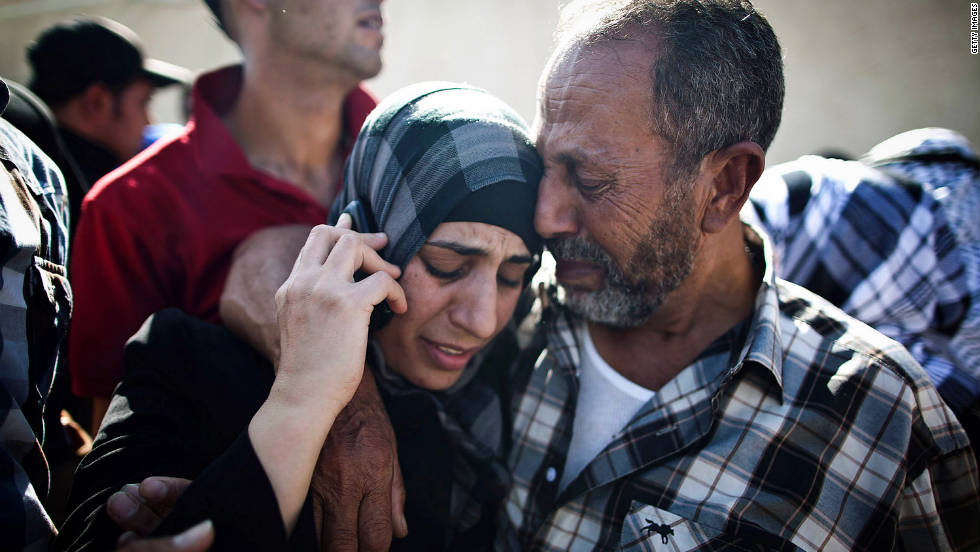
{"x":97,"y":103}
{"x":736,"y":169}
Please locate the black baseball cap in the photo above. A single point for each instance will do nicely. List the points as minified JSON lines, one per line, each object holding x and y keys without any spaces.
{"x":68,"y":57}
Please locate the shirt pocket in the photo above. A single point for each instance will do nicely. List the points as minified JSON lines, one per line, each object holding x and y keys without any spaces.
{"x":650,"y":528}
{"x":647,"y":528}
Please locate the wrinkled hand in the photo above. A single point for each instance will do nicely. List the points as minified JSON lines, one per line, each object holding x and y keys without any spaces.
{"x":139,"y":509}
{"x":357,"y":486}
{"x":196,"y":539}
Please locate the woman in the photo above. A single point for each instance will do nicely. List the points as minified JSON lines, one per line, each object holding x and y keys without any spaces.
{"x":449,"y":174}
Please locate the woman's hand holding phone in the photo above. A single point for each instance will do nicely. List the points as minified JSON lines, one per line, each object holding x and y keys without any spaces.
{"x":323,"y":316}
{"x":324,"y":311}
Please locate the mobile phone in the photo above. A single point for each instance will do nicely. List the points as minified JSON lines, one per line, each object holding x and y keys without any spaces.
{"x":363,"y":221}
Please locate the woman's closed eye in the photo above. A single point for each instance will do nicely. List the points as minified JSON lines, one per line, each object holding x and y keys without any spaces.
{"x":445,"y":271}
{"x":510,"y":275}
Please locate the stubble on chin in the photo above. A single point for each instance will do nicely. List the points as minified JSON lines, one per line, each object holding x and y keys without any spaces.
{"x":658,"y":265}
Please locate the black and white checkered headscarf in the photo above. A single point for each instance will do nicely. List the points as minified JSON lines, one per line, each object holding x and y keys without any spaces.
{"x":425,"y":150}
{"x":431,"y":153}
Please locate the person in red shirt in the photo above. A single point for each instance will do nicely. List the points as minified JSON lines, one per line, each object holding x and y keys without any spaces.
{"x":265,"y":146}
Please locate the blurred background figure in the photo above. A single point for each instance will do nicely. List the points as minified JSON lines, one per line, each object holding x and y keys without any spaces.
{"x":92,"y":74}
{"x":894,"y":240}
{"x":35,"y":301}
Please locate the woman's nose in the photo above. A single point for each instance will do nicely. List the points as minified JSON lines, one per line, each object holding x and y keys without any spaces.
{"x":476,"y":310}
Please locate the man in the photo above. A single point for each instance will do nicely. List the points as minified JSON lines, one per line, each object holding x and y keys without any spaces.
{"x":265,"y":146}
{"x":687,"y":397}
{"x":35,"y":301}
{"x":92,"y":73}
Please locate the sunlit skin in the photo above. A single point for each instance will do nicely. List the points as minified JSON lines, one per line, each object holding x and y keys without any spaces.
{"x":606,"y":175}
{"x":301,"y":60}
{"x":344,"y":33}
{"x":461,"y":290}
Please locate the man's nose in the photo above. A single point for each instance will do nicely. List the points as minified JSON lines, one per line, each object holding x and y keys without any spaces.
{"x":556,"y":214}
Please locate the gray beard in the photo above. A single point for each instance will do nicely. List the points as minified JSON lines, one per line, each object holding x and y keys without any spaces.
{"x":619,"y":303}
{"x":660,"y":263}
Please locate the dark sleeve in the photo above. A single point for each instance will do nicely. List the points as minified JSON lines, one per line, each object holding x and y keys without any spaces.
{"x":182,"y":410}
{"x":234,"y":493}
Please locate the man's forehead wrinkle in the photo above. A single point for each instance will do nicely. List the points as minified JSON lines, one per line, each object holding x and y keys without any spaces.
{"x":568,"y":133}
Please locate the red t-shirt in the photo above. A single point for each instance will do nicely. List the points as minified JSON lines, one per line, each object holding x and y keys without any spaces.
{"x":160,"y":230}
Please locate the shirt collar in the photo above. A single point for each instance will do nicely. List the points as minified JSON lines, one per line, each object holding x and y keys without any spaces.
{"x":214,"y":94}
{"x":763,"y":346}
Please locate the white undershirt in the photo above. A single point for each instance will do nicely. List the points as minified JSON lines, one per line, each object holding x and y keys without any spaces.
{"x":606,"y":401}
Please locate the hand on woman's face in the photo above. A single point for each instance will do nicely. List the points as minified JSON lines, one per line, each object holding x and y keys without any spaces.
{"x":461,"y":290}
{"x":323,"y":315}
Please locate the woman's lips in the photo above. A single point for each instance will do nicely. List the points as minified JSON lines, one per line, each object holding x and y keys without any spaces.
{"x":449,"y":357}
{"x":578,"y":275}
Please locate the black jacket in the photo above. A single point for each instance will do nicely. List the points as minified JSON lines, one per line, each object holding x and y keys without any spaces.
{"x":183,"y":408}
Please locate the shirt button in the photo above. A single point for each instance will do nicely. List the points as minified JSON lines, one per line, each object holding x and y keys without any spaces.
{"x":551,"y":475}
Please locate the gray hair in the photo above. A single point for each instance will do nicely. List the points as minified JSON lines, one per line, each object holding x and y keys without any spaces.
{"x":718,"y":79}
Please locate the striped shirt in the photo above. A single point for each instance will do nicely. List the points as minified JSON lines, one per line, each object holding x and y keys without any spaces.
{"x":801,"y":428}
{"x":891,"y":240}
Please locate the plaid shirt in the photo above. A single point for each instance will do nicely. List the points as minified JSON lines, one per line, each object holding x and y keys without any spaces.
{"x":880,"y":243}
{"x":801,"y":429}
{"x":34,"y":310}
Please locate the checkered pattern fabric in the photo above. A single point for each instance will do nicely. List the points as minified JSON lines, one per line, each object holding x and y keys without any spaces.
{"x":421,"y":152}
{"x":947,"y":166}
{"x":424,"y":149}
{"x":33,"y":253}
{"x":804,"y":429}
{"x":880,"y":243}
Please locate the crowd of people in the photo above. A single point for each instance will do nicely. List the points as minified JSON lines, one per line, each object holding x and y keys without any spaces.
{"x":310,"y":319}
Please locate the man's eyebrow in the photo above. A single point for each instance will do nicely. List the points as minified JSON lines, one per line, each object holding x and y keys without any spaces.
{"x":571,"y":158}
{"x":471,"y":251}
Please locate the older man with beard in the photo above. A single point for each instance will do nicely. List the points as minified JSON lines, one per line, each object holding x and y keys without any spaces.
{"x":680,"y":394}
